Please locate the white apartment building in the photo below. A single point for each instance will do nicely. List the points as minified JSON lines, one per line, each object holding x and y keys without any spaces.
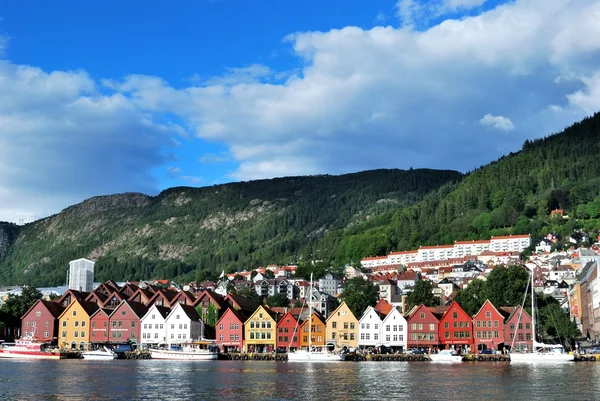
{"x":510,"y":243}
{"x":469,"y":248}
{"x":435,"y":252}
{"x":402,"y":258}
{"x":81,"y":275}
{"x":375,"y":261}
{"x":183,"y":324}
{"x":394,"y":330}
{"x":369,"y":329}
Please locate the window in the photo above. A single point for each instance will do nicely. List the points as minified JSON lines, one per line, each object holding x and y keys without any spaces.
{"x":93,"y":324}
{"x":38,"y":313}
{"x":252,"y":324}
{"x":123,"y":313}
{"x":351,"y":336}
{"x":185,"y":326}
{"x":76,"y":323}
{"x":27,"y":323}
{"x":446,"y":325}
{"x":351,"y":326}
{"x":431,"y":327}
{"x":173,"y":326}
{"x":422,"y":315}
{"x":74,"y":313}
{"x":155,"y":335}
{"x":76,"y":334}
{"x":47,"y":323}
{"x":375,"y":336}
{"x":83,"y":323}
{"x":120,"y":324}
{"x":334,"y":325}
{"x":387,"y":327}
{"x":252,"y":335}
{"x":176,"y":316}
{"x":114,"y":324}
{"x":488,"y":314}
{"x":133,"y":324}
{"x":64,"y":334}
{"x":455,"y":315}
{"x":180,"y":326}
{"x":346,"y":325}
{"x":46,"y":333}
{"x":153,"y":317}
{"x":155,"y":326}
{"x":446,"y":334}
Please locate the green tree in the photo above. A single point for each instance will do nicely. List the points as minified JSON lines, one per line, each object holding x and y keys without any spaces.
{"x":249,"y":293}
{"x":17,"y":305}
{"x":211,"y":316}
{"x":422,"y":293}
{"x":554,"y":323}
{"x":472,"y":297}
{"x":269,"y":274}
{"x":506,"y":285}
{"x":277,"y":300}
{"x":359,"y":294}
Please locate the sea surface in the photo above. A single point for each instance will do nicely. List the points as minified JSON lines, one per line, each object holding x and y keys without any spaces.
{"x":263,"y":380}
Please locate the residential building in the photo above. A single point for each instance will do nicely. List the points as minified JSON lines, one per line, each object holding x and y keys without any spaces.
{"x":315,"y":326}
{"x":74,"y":324}
{"x":288,"y":332}
{"x":154,"y":326}
{"x":260,"y":330}
{"x":394,"y":331}
{"x":41,"y":320}
{"x":369,"y":328}
{"x":125,"y":322}
{"x":342,"y":328}
{"x":517,"y":330}
{"x":423,"y":328}
{"x":329,"y":284}
{"x":99,"y":330}
{"x":456,"y":329}
{"x":230,"y":330}
{"x":488,"y":327}
{"x":183,"y":324}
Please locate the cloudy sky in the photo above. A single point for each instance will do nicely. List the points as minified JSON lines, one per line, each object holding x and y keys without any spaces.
{"x":106,"y":97}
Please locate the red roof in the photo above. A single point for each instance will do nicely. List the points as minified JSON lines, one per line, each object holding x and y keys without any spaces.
{"x":511,"y":236}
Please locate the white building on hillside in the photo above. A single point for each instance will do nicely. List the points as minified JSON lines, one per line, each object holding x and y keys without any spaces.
{"x":510,"y":243}
{"x":81,"y":275}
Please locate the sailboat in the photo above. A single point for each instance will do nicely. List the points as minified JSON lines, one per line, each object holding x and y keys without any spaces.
{"x":552,"y":353}
{"x":310,"y":355}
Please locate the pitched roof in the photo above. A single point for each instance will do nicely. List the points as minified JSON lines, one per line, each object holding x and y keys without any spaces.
{"x":383,"y":306}
{"x":191,"y":312}
{"x":243,"y":303}
{"x":54,"y":308}
{"x":89,"y":307}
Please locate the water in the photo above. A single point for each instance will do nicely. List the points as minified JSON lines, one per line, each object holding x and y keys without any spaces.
{"x":262,"y":380}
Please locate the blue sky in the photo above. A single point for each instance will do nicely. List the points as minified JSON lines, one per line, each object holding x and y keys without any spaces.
{"x":114,"y":96}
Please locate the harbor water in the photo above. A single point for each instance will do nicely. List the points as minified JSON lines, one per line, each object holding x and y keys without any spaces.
{"x":263,"y":380}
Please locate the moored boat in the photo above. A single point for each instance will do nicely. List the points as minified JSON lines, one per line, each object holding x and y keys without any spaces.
{"x":445,"y":355}
{"x":196,"y":351}
{"x":102,"y":354}
{"x":29,"y":348}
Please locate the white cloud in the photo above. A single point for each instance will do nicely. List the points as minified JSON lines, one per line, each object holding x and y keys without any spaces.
{"x":63,"y":141}
{"x":588,"y":99}
{"x":420,"y":13}
{"x":499,"y":122}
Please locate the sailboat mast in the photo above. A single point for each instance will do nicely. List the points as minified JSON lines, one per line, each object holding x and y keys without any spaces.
{"x":310,"y":314}
{"x":532,"y":307}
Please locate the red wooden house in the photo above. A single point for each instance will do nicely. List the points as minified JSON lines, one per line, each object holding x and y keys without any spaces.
{"x":142,"y":295}
{"x":488,"y":327}
{"x":113,"y":300}
{"x":125,"y":322}
{"x":518,"y":327}
{"x":97,"y":298}
{"x":230,"y":330}
{"x":99,"y":329}
{"x":162,"y":297}
{"x":423,"y":328}
{"x":70,"y":296}
{"x":41,"y":320}
{"x":456,"y":329}
{"x":287,"y":339}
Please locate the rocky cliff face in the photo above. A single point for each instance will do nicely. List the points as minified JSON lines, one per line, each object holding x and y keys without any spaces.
{"x":8,"y":234}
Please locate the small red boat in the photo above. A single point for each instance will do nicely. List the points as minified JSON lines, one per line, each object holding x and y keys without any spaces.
{"x":29,"y":348}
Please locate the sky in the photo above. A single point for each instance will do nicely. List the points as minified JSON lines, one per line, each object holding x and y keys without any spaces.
{"x":119,"y":96}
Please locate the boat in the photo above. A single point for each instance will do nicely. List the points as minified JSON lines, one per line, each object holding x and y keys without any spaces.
{"x":204,"y":350}
{"x":311,"y":354}
{"x":445,"y":355}
{"x":540,"y":352}
{"x":102,"y":354}
{"x":29,"y":348}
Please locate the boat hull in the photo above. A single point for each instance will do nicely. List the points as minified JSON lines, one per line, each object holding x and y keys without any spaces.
{"x":98,"y":357}
{"x":446,"y":358}
{"x":304,"y":356}
{"x":29,"y":355}
{"x":541,"y":357}
{"x":182,"y":355}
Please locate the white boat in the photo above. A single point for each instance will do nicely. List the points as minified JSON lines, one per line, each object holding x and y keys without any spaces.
{"x":102,"y":354}
{"x":29,"y":348}
{"x":541,"y":353}
{"x":195,"y":351}
{"x":312,"y":355}
{"x":445,"y":355}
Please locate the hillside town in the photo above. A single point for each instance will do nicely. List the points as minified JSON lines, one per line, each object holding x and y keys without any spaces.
{"x":85,"y":314}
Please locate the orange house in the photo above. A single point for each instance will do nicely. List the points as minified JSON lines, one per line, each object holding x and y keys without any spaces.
{"x":317,"y":333}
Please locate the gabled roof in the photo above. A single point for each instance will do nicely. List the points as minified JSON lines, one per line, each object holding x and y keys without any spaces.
{"x":369,"y":310}
{"x":242,"y":316}
{"x":190,"y":312}
{"x":115,"y":294}
{"x":269,"y":312}
{"x":89,"y":307}
{"x":217,"y":299}
{"x":383,"y":306}
{"x":81,"y":295}
{"x":96,"y":297}
{"x":54,"y":308}
{"x":487,"y":301}
{"x":242,"y":303}
{"x":106,"y":311}
{"x":137,"y":308}
{"x":162,"y":310}
{"x":342,"y":306}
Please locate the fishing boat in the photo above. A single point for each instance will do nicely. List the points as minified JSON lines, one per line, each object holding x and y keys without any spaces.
{"x":102,"y":354}
{"x":445,"y":355}
{"x":29,"y":348}
{"x":540,"y":352}
{"x":204,"y":350}
{"x":313,"y":354}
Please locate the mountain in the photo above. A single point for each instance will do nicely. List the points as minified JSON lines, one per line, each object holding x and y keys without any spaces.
{"x":513,"y":195}
{"x":191,"y":233}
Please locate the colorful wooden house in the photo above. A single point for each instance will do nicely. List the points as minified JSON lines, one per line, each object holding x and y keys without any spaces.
{"x":517,"y":327}
{"x":423,"y":328}
{"x":488,"y":327}
{"x":369,"y":328}
{"x":317,"y":329}
{"x":260,"y":330}
{"x":99,"y":330}
{"x":125,"y":322}
{"x":342,"y":328}
{"x":230,"y":330}
{"x":288,"y":332}
{"x":211,"y":307}
{"x":69,"y":296}
{"x":41,"y":320}
{"x":74,"y":324}
{"x":456,"y":329}
{"x":142,"y":295}
{"x":183,"y":324}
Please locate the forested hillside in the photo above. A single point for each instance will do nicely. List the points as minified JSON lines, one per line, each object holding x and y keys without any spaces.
{"x":513,"y":195}
{"x":192,"y":233}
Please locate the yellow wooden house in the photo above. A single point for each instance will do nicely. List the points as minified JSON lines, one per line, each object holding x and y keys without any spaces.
{"x":342,"y":328}
{"x":74,"y":325}
{"x":317,"y":333}
{"x":259,"y":331}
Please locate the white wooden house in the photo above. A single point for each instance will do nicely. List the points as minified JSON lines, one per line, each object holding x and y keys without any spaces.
{"x":369,"y":329}
{"x":394,"y":330}
{"x":154,"y":329}
{"x":183,"y":324}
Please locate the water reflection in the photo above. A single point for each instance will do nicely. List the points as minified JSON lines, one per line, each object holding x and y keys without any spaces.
{"x":261,"y":380}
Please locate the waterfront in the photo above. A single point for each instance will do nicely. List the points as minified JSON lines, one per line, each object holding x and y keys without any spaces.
{"x":252,"y":380}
